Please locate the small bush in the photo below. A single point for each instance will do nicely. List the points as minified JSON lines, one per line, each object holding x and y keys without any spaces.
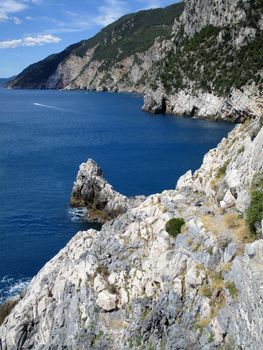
{"x":233,"y":291}
{"x":206,"y":291}
{"x":174,"y":226}
{"x":202,"y":323}
{"x":211,"y":338}
{"x":241,"y":149}
{"x":255,"y":210}
{"x":222,"y":170}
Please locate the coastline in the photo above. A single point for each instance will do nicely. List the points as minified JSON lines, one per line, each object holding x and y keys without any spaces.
{"x":236,"y":108}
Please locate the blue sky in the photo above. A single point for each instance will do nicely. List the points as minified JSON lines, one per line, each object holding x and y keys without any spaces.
{"x":30,"y":30}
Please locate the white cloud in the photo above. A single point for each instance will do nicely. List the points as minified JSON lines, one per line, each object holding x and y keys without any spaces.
{"x":30,"y":41}
{"x":17,"y":20}
{"x":8,"y":7}
{"x":110,"y":11}
{"x":107,"y":13}
{"x":150,"y":4}
{"x":35,"y":2}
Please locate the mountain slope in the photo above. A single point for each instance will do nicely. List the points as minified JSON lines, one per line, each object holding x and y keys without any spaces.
{"x":4,"y":81}
{"x":36,"y":75}
{"x":127,"y":36}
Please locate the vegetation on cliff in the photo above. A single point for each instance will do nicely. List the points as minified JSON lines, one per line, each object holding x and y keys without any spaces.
{"x":211,"y":61}
{"x":254,"y":213}
{"x":130,"y":34}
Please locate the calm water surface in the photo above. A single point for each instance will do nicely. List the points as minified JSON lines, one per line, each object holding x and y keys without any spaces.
{"x":45,"y":135}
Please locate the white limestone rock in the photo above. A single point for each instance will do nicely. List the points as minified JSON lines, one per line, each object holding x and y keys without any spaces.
{"x":185,"y":181}
{"x":107,"y":301}
{"x":228,"y":201}
{"x":92,"y":191}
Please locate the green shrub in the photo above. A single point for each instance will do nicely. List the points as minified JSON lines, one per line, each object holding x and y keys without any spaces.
{"x":233,"y":291}
{"x":222,"y":170}
{"x":213,"y":66}
{"x":206,"y":291}
{"x":211,"y":338}
{"x":173,"y":226}
{"x":255,"y":210}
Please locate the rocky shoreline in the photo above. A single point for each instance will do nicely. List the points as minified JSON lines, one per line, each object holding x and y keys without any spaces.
{"x":134,"y":285}
{"x":237,"y":108}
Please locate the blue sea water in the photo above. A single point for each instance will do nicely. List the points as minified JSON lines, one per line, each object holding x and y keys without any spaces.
{"x":45,"y":135}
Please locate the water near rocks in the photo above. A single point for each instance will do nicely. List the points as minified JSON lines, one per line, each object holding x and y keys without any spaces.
{"x":45,"y":135}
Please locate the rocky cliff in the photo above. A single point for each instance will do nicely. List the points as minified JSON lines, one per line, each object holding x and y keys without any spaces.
{"x":93,"y":192}
{"x":238,"y":107}
{"x":201,"y":58}
{"x":213,"y":68}
{"x":181,"y":270}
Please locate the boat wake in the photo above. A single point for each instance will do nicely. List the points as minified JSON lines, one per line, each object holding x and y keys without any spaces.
{"x":54,"y":108}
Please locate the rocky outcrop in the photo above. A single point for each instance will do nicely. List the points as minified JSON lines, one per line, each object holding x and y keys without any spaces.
{"x":155,"y":102}
{"x":133,"y":285}
{"x":93,"y":192}
{"x":219,"y":13}
{"x":126,"y":75}
{"x":237,"y":108}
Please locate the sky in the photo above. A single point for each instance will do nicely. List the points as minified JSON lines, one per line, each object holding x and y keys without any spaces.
{"x":30,"y":30}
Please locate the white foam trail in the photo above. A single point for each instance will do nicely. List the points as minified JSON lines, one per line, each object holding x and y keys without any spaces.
{"x":54,"y":107}
{"x":18,"y":287}
{"x":77,"y":214}
{"x":12,"y":287}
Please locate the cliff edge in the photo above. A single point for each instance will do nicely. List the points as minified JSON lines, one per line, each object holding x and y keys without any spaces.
{"x":182,"y":270}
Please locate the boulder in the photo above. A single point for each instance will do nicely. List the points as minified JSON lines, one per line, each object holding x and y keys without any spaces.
{"x":107,"y":301}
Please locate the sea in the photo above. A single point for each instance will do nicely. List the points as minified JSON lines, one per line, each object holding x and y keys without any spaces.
{"x":46,"y":135}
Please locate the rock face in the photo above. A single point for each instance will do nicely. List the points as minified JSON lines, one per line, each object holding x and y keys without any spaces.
{"x":155,"y":102}
{"x":92,"y":191}
{"x":237,"y":108}
{"x":134,"y":286}
{"x":219,"y":13}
